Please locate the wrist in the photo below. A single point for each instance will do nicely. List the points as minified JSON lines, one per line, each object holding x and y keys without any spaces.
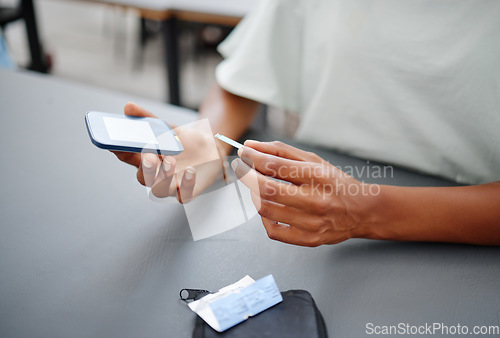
{"x":374,"y":217}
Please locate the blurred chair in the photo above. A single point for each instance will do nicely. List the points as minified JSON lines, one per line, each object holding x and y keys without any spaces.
{"x":25,"y":11}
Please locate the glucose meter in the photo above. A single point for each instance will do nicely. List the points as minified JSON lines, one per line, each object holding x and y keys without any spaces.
{"x":132,"y":133}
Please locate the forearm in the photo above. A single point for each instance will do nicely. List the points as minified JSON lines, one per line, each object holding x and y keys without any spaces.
{"x":229,"y":114}
{"x":468,"y":214}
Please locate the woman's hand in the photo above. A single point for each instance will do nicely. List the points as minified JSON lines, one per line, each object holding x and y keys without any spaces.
{"x":176,"y":175}
{"x":321,"y":205}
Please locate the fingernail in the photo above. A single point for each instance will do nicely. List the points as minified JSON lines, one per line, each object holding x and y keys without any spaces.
{"x":250,"y":141}
{"x":247,"y":160}
{"x":234,"y":164}
{"x":189,"y":174}
{"x":166,"y":165}
{"x":146,"y":163}
{"x":240,"y":151}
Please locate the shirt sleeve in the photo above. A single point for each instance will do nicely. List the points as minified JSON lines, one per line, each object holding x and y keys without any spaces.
{"x":262,"y":55}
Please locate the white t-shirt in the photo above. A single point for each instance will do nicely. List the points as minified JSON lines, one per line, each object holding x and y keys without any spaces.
{"x":413,"y":83}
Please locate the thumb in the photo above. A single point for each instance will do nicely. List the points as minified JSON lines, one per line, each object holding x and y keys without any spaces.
{"x":132,"y":109}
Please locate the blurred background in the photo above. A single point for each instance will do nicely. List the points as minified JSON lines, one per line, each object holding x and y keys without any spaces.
{"x":99,"y":43}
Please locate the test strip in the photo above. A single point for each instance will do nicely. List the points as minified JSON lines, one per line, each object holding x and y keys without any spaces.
{"x":227,"y":140}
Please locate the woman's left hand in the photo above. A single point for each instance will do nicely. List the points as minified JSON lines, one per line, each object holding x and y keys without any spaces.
{"x":317,"y":204}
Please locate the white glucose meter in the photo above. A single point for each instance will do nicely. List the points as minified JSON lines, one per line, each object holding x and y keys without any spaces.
{"x":132,"y":134}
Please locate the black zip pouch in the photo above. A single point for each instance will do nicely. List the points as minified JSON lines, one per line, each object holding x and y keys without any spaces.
{"x":296,"y":316}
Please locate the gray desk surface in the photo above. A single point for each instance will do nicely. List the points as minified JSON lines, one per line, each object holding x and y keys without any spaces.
{"x":84,"y":253}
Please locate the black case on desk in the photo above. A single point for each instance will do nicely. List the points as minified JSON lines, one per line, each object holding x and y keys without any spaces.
{"x":296,"y":316}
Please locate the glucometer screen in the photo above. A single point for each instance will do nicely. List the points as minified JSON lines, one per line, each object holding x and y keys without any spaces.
{"x":129,"y":130}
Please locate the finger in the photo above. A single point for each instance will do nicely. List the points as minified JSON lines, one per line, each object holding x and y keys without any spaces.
{"x":132,"y":109}
{"x":269,"y":189}
{"x":185,"y":191}
{"x":298,"y":172}
{"x":289,"y":234}
{"x":285,"y":214}
{"x":130,"y":158}
{"x":140,"y":176}
{"x":284,"y":150}
{"x":149,"y":168}
{"x":162,"y":185}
